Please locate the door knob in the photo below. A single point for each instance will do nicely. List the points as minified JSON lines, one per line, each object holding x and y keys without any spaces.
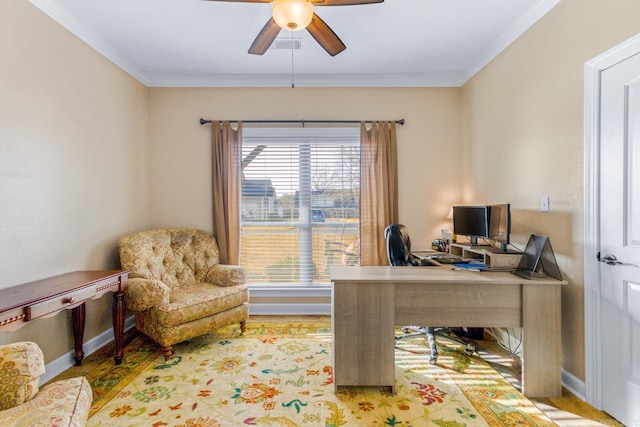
{"x":609,"y":259}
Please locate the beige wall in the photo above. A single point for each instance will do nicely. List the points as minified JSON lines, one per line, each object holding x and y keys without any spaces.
{"x":523,"y":136}
{"x":73,"y":161}
{"x":428,"y":144}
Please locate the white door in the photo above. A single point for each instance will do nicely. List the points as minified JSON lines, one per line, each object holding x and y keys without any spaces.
{"x":620,"y":239}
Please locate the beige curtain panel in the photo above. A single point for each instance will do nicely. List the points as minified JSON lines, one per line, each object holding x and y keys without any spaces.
{"x":378,"y":189}
{"x":226,"y":176}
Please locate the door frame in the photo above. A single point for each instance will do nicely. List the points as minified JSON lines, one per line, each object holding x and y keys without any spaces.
{"x":592,"y":285}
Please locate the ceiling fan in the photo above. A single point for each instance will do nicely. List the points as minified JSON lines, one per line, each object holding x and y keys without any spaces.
{"x":295,"y":15}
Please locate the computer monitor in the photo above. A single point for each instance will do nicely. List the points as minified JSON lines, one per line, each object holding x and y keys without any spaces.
{"x":500,"y":226}
{"x":471,"y":221}
{"x":491,"y":222}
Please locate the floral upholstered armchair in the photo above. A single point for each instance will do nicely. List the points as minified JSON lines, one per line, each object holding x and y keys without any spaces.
{"x":22,"y":403}
{"x":177,"y":287}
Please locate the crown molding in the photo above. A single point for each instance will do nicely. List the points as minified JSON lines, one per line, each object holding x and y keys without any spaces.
{"x":535,"y":12}
{"x":309,"y":80}
{"x":50,"y":8}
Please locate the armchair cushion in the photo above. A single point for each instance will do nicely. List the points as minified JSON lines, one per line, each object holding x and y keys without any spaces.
{"x":62,"y":403}
{"x":199,"y":300}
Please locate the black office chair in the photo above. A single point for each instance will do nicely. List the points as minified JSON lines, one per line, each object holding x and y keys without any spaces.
{"x":399,"y":254}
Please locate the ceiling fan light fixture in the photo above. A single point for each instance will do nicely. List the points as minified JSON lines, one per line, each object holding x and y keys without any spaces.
{"x":292,"y":15}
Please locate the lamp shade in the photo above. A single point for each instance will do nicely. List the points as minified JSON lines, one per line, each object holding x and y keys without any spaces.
{"x":292,"y":15}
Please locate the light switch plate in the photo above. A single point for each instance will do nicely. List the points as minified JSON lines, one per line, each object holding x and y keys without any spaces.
{"x":544,"y":204}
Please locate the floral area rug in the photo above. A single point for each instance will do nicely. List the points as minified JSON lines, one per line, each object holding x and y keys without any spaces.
{"x":281,"y":375}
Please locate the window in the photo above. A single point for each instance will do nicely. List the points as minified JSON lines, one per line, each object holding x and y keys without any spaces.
{"x":299,"y":204}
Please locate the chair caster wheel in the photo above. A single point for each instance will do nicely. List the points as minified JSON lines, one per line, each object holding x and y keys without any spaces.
{"x":470,"y":350}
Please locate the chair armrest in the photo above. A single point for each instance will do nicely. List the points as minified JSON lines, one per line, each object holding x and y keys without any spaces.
{"x":21,"y":365}
{"x":142,"y":294}
{"x":226,"y":275}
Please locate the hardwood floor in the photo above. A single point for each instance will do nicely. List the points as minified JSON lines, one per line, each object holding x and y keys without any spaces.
{"x":568,"y":410}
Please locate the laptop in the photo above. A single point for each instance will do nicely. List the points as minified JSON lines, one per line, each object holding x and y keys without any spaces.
{"x":538,"y":255}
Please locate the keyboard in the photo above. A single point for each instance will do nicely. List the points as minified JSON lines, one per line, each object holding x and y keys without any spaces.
{"x":448,"y":259}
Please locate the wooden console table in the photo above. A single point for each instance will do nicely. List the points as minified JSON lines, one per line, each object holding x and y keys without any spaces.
{"x":367,"y":302}
{"x":44,"y":298}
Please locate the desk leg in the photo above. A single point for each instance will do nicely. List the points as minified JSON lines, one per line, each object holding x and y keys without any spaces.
{"x":78,"y":315}
{"x":363,"y":344}
{"x":541,"y":341}
{"x":118,"y":326}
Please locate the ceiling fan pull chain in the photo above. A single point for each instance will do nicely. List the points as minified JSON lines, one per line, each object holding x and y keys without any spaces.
{"x":292,"y":84}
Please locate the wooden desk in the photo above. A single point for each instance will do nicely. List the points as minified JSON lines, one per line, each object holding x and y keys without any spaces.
{"x":44,"y":298}
{"x":368,"y":302}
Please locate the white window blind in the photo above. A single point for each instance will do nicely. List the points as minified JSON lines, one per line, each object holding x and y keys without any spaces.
{"x":299,"y":204}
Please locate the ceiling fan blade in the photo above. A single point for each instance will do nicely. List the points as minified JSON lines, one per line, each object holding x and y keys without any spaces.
{"x":325,"y":36}
{"x":343,"y":2}
{"x":268,"y":34}
{"x":244,"y":1}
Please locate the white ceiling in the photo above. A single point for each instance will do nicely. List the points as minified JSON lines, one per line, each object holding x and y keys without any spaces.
{"x":205,"y":43}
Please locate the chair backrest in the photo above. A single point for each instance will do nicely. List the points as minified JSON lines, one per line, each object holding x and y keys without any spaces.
{"x":398,"y":244}
{"x":177,"y":257}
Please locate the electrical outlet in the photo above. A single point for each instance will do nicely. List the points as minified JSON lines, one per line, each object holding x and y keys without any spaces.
{"x":544,"y":204}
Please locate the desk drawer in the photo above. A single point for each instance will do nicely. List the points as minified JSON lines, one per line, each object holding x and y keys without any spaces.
{"x":56,"y":304}
{"x":475,"y":305}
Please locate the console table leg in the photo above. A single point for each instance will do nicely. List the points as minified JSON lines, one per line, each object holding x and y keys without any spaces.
{"x":78,"y":315}
{"x":118,"y":326}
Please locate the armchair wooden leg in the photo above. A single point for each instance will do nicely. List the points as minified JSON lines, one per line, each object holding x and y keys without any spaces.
{"x":167,"y":351}
{"x":243,"y":327}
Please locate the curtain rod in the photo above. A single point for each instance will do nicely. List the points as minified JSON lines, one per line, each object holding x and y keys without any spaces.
{"x":204,"y":122}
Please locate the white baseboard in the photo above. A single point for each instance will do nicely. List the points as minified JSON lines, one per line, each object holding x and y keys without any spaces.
{"x":66,"y":361}
{"x":569,"y":381}
{"x":575,"y":385}
{"x":290,"y":309}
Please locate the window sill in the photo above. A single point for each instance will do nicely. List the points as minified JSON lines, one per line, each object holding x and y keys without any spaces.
{"x":288,"y":290}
